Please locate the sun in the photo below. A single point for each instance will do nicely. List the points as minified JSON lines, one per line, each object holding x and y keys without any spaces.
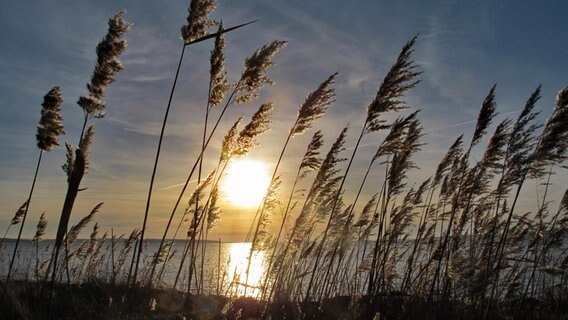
{"x":245,"y":183}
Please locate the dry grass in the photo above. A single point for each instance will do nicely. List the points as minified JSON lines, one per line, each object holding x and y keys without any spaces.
{"x":452,"y":246}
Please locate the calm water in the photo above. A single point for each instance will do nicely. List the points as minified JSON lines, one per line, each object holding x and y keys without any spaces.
{"x":224,"y":265}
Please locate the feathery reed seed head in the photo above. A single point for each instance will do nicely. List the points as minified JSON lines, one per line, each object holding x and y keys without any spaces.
{"x":86,"y":143}
{"x":400,"y":78}
{"x":311,"y":159}
{"x":214,"y":212}
{"x":315,"y":105}
{"x":271,"y":203}
{"x":401,"y":161}
{"x":444,"y":165}
{"x":254,"y":75}
{"x":257,"y":126}
{"x":19,"y":213}
{"x":394,"y":141}
{"x":495,"y":151}
{"x":40,"y":229}
{"x":107,"y":66}
{"x":553,"y":145}
{"x":522,"y":142}
{"x":322,"y":189}
{"x":76,"y":229}
{"x":198,"y":21}
{"x":230,"y":141}
{"x":50,"y":125}
{"x":69,"y":160}
{"x":486,"y":115}
{"x":198,"y":193}
{"x":219,"y":83}
{"x":365,"y":216}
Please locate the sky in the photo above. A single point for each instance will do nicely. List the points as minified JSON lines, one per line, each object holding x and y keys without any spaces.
{"x":463,"y":49}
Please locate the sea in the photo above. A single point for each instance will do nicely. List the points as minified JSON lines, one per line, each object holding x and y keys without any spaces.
{"x":223,"y":272}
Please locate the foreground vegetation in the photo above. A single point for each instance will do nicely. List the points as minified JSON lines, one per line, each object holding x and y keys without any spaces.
{"x":453,"y":246}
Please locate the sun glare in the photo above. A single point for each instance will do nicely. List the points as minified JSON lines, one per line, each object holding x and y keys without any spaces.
{"x":237,"y":266}
{"x":246,"y":183}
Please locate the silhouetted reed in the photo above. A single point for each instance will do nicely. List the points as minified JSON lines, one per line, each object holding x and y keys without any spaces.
{"x":453,"y":245}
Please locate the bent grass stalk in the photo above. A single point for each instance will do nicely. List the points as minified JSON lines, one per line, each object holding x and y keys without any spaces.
{"x":249,"y":83}
{"x":448,"y":263}
{"x":313,"y":108}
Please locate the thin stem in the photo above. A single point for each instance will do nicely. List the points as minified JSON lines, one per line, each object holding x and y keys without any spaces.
{"x":284,"y":217}
{"x":143,"y":231}
{"x":207,"y":107}
{"x":21,"y":227}
{"x":261,"y":208}
{"x":182,"y":192}
{"x":85,"y":120}
{"x":349,"y":218}
{"x":331,"y":216}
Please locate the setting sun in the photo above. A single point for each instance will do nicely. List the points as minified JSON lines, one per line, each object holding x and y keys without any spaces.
{"x":245,"y":183}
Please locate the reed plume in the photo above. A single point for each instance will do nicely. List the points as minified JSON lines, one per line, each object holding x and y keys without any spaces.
{"x":496,"y":148}
{"x":50,"y":125}
{"x":259,"y":124}
{"x":40,"y":232}
{"x":93,"y":239}
{"x":551,"y":149}
{"x":198,"y":193}
{"x":254,"y":75}
{"x":311,"y":159}
{"x":218,"y":86}
{"x":85,"y":144}
{"x":255,"y":65}
{"x":553,"y":144}
{"x":522,"y":141}
{"x":229,"y":144}
{"x":401,"y":77}
{"x":76,"y":229}
{"x":449,"y":158}
{"x":40,"y":229}
{"x":456,"y":186}
{"x":213,"y":212}
{"x":322,"y":189}
{"x":93,"y":105}
{"x":262,"y":57}
{"x":218,"y":76}
{"x":106,"y":68}
{"x":196,"y":211}
{"x":394,"y":141}
{"x":312,"y":109}
{"x":401,"y":161}
{"x":48,"y":131}
{"x":235,"y":143}
{"x":367,"y":218}
{"x":16,"y":219}
{"x":264,"y":237}
{"x":511,"y":261}
{"x":19,"y":215}
{"x":486,"y":115}
{"x":128,"y":247}
{"x":198,"y":21}
{"x":315,"y":106}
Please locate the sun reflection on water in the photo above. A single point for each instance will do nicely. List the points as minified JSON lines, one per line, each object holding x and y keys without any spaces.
{"x":237,"y":267}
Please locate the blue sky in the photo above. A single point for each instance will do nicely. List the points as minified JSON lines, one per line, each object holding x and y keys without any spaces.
{"x":464,"y":47}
